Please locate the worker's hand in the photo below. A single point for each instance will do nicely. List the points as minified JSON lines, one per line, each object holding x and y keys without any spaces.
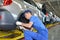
{"x":22,"y":28}
{"x":18,"y":23}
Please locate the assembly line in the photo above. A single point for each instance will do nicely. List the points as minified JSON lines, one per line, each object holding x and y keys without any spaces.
{"x":20,"y":19}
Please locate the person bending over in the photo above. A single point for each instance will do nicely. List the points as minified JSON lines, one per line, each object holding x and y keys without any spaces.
{"x":35,"y":22}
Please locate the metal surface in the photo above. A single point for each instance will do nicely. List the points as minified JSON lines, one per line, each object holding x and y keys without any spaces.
{"x":9,"y":17}
{"x":11,"y":35}
{"x":7,"y":21}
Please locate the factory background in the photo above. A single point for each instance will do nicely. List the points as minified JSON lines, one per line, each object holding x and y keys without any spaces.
{"x":11,"y":10}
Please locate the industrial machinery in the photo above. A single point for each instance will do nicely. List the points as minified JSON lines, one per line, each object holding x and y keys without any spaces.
{"x":7,"y":21}
{"x":9,"y":14}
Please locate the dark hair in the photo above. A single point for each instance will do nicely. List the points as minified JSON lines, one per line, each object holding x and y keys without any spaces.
{"x":21,"y":18}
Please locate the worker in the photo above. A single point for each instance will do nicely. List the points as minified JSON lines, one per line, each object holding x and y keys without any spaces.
{"x":35,"y":22}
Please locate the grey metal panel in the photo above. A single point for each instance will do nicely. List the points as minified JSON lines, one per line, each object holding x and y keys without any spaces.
{"x":9,"y":17}
{"x":7,"y":21}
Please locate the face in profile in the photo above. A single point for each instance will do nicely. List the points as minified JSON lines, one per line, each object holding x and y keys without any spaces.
{"x":27,"y":15}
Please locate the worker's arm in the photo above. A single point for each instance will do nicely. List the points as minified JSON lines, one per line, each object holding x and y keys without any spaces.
{"x":27,"y":25}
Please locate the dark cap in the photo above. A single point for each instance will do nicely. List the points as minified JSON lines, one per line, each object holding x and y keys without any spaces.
{"x":26,"y":11}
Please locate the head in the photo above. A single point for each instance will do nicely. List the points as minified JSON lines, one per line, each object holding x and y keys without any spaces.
{"x":27,"y":14}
